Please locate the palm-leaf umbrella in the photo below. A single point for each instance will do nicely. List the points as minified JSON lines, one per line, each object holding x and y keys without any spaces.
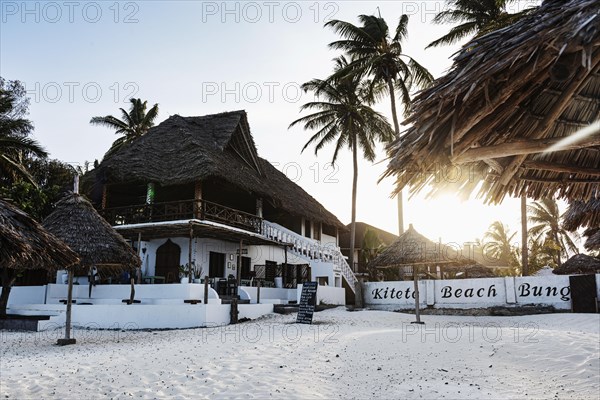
{"x":25,"y":244}
{"x":99,"y":246}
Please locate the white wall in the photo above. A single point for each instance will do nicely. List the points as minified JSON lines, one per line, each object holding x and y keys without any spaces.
{"x":475,"y":293}
{"x":267,"y":295}
{"x":327,"y":295}
{"x":27,"y":295}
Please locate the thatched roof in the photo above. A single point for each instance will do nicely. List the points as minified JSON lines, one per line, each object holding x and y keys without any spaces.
{"x":579,"y":264}
{"x":184,"y":150}
{"x":362,"y":228}
{"x":474,"y":270}
{"x":411,"y":248}
{"x":509,"y":96}
{"x":25,"y":244}
{"x":79,"y":225}
{"x":582,"y":214}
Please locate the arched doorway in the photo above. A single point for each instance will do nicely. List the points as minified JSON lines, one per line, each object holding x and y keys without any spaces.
{"x":167,"y":261}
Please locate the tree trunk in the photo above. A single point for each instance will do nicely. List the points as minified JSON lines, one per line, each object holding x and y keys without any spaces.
{"x":393,"y":101}
{"x":397,"y":131}
{"x":8,"y":279}
{"x":524,"y":251}
{"x":353,"y":222}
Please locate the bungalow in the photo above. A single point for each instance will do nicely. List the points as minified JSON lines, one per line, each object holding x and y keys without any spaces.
{"x":197,"y":201}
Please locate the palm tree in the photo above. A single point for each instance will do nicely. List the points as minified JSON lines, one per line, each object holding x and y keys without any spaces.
{"x":342,"y":114}
{"x":548,"y":229}
{"x":371,"y":247}
{"x":379,"y":56}
{"x":134,"y":123}
{"x":14,"y":143}
{"x":498,"y":245}
{"x":476,"y":17}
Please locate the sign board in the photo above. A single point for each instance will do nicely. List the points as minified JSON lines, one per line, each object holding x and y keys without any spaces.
{"x":308,"y":301}
{"x":244,"y":251}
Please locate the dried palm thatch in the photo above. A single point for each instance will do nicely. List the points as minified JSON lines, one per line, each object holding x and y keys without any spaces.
{"x":509,"y":96}
{"x":25,"y":244}
{"x":579,"y":264}
{"x":413,"y":249}
{"x":473,"y":270}
{"x":582,"y":214}
{"x":185,"y":150}
{"x":79,"y":225}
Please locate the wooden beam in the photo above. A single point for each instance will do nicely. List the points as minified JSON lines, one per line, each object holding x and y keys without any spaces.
{"x":520,"y":148}
{"x":553,"y":113}
{"x":572,"y":169}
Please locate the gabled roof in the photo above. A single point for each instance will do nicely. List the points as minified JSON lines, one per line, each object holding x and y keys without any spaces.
{"x":184,"y":150}
{"x":386,"y":237}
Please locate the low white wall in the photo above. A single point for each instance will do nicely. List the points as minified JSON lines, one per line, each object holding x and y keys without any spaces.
{"x":145,"y":293}
{"x":27,"y":295}
{"x":474,"y":293}
{"x":254,"y":311}
{"x":267,"y":295}
{"x":327,"y":295}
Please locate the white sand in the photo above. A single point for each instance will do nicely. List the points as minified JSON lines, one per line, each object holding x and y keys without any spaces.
{"x":344,"y":355}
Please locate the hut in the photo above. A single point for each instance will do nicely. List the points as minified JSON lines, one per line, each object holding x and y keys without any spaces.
{"x":99,"y":246}
{"x":502,"y":120}
{"x":412,"y":249}
{"x":585,"y":215}
{"x":25,"y":244}
{"x":579,"y":264}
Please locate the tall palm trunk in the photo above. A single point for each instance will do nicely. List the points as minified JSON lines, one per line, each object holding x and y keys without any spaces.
{"x":354,"y":185}
{"x":393,"y":102}
{"x":397,"y":131}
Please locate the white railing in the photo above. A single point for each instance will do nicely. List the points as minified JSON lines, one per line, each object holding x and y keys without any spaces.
{"x":310,"y":249}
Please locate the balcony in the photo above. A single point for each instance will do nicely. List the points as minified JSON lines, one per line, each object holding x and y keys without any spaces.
{"x":181,"y":210}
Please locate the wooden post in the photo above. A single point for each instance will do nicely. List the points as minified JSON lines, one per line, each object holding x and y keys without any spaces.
{"x":257,"y":292}
{"x":190,"y":253}
{"x":132,"y":294}
{"x":138,"y":271}
{"x":68,"y":340}
{"x":205,"y":289}
{"x":198,"y":200}
{"x":524,"y":251}
{"x":239,"y":264}
{"x":259,"y":207}
{"x":358,"y":294}
{"x":417,"y":309}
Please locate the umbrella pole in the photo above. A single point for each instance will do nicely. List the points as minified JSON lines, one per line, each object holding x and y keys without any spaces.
{"x":417,"y":309}
{"x":68,"y":340}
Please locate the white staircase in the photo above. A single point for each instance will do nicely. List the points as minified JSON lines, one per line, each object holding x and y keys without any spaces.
{"x":310,"y":249}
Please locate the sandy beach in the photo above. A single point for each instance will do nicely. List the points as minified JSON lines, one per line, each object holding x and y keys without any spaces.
{"x":361,"y":354}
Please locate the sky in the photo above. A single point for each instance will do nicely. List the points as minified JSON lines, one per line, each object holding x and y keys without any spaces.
{"x":84,"y":59}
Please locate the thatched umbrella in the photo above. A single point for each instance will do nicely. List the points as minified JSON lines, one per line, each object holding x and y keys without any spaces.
{"x":99,"y":246}
{"x":510,"y":96}
{"x":579,"y":264}
{"x":25,"y":244}
{"x":582,"y":214}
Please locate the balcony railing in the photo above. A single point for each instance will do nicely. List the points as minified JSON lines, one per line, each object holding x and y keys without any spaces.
{"x":178,"y":210}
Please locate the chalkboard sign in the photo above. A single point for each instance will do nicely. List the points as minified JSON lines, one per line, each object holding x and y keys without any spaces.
{"x":308,"y":300}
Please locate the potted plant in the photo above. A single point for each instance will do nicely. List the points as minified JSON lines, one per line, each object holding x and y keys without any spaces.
{"x":198,"y":270}
{"x":183,"y":274}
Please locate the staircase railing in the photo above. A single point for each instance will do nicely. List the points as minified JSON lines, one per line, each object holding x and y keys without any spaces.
{"x":311,"y":249}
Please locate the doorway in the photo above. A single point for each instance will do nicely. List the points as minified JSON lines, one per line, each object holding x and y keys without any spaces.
{"x":216,"y":265}
{"x":167,"y":261}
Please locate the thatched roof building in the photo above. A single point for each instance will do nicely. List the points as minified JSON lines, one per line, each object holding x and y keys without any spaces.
{"x":79,"y":225}
{"x":579,"y":264}
{"x":25,"y":244}
{"x":582,"y":214}
{"x":413,"y":249}
{"x":509,"y":97}
{"x":184,"y":150}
